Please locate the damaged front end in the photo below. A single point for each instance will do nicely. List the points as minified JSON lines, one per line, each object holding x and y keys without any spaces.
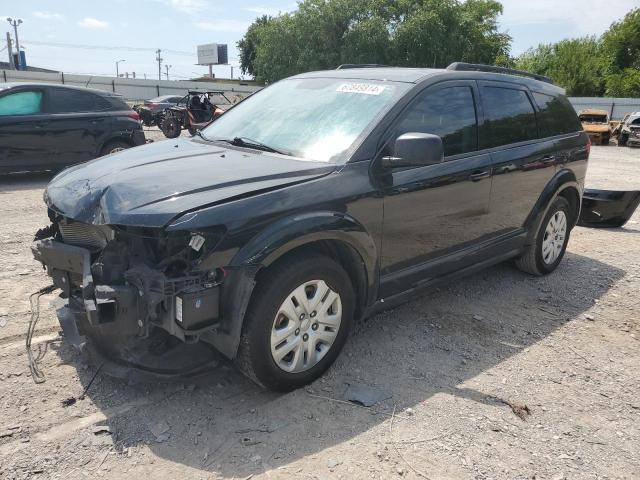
{"x":608,"y":208}
{"x":137,"y":293}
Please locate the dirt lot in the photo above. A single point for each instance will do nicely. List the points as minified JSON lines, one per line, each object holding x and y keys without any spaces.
{"x":566,"y":346}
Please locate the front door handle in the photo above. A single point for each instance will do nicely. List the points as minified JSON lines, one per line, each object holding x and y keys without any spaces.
{"x":477,"y":176}
{"x":549,"y":159}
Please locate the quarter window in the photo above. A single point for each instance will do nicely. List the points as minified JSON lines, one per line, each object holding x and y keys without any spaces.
{"x":509,"y":116}
{"x":21,"y":103}
{"x":557,"y":116}
{"x":449,"y":113}
{"x":75,"y":101}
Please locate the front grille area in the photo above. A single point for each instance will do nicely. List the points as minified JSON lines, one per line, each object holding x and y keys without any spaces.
{"x":94,"y":237}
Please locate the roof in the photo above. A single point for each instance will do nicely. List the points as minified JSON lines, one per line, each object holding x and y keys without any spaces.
{"x":593,"y":111}
{"x":97,"y":91}
{"x":417,"y":75}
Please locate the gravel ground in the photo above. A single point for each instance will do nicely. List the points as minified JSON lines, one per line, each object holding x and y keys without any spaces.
{"x":459,"y":363}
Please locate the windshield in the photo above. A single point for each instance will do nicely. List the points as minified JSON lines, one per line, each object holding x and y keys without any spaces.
{"x":593,"y":118}
{"x":314,"y":119}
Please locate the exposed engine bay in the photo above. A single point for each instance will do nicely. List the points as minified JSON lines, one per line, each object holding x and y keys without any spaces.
{"x":128,"y":284}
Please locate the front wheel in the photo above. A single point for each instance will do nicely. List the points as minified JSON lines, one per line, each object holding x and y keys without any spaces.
{"x":546,"y":252}
{"x":297,"y":322}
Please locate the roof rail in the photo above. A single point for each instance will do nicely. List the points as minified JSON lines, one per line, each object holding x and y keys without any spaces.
{"x":472,"y":67}
{"x":347,"y":66}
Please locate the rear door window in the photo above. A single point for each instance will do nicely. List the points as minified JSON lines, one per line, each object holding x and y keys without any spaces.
{"x":509,"y":116}
{"x":448,"y":112}
{"x":21,"y":103}
{"x":75,"y":101}
{"x":557,"y":116}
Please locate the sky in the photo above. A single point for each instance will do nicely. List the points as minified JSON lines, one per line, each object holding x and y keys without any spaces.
{"x":58,"y":34}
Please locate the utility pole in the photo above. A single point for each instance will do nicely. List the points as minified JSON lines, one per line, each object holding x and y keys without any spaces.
{"x":167,"y":67}
{"x":14,"y":24}
{"x":10,"y":50}
{"x":159,"y":60}
{"x":231,"y":72}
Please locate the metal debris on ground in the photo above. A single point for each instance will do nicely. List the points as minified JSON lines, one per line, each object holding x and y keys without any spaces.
{"x":365,"y":395}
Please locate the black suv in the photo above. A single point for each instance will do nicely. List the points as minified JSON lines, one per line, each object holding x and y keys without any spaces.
{"x":49,"y":127}
{"x":320,"y":199}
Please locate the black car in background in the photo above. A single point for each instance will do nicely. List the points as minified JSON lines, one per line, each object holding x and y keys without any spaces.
{"x":323,"y":198}
{"x":49,"y":127}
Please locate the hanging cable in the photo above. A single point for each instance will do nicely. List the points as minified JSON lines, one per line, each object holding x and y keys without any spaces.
{"x":34,"y":301}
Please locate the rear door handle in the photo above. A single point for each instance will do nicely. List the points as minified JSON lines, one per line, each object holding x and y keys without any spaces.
{"x":477,"y":176}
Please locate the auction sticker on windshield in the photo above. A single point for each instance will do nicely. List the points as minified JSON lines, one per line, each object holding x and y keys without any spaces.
{"x":364,"y":88}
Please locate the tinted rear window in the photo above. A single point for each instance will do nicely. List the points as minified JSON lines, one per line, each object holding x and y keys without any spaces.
{"x":557,"y":116}
{"x":75,"y":101}
{"x":509,"y":117}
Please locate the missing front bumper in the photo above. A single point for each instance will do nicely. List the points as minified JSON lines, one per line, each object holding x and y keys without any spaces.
{"x":146,"y":298}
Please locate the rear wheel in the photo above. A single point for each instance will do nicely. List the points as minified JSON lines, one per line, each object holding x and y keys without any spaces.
{"x":547,"y":251}
{"x":297,"y":323}
{"x":114,"y":147}
{"x":171,"y":127}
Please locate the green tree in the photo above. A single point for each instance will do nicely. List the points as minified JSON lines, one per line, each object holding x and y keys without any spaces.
{"x":577,"y":65}
{"x":420,"y":33}
{"x":249,"y":45}
{"x":621,"y":46}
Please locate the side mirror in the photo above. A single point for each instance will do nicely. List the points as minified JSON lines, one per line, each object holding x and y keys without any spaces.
{"x":415,"y":149}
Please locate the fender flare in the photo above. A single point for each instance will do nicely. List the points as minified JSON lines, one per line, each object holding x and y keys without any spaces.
{"x":561,"y":181}
{"x":272,"y":243}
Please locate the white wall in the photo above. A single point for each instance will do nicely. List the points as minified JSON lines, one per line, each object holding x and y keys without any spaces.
{"x":129,"y":88}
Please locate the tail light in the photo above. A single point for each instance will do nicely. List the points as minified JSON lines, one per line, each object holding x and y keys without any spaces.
{"x":134,"y":116}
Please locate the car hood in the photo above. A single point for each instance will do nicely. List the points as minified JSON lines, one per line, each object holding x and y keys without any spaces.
{"x":153,"y":184}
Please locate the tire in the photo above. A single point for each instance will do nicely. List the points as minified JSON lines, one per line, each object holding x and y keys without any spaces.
{"x":171,"y":127}
{"x":265,"y":316}
{"x":536,"y":259}
{"x":114,"y":147}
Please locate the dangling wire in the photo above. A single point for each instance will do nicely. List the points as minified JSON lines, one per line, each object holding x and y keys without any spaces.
{"x":34,"y":300}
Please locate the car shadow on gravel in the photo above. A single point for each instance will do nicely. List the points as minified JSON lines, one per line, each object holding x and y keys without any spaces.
{"x":225,"y":424}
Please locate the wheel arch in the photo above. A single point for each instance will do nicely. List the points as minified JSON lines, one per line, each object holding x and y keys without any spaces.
{"x":334,"y":234}
{"x":563,"y":184}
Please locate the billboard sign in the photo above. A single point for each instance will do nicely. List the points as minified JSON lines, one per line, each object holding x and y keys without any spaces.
{"x":212,"y":54}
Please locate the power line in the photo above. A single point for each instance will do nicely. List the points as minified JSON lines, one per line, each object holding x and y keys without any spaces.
{"x":104,"y":47}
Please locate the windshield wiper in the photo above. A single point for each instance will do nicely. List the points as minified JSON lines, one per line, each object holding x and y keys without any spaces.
{"x":250,"y":143}
{"x":201,"y":135}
